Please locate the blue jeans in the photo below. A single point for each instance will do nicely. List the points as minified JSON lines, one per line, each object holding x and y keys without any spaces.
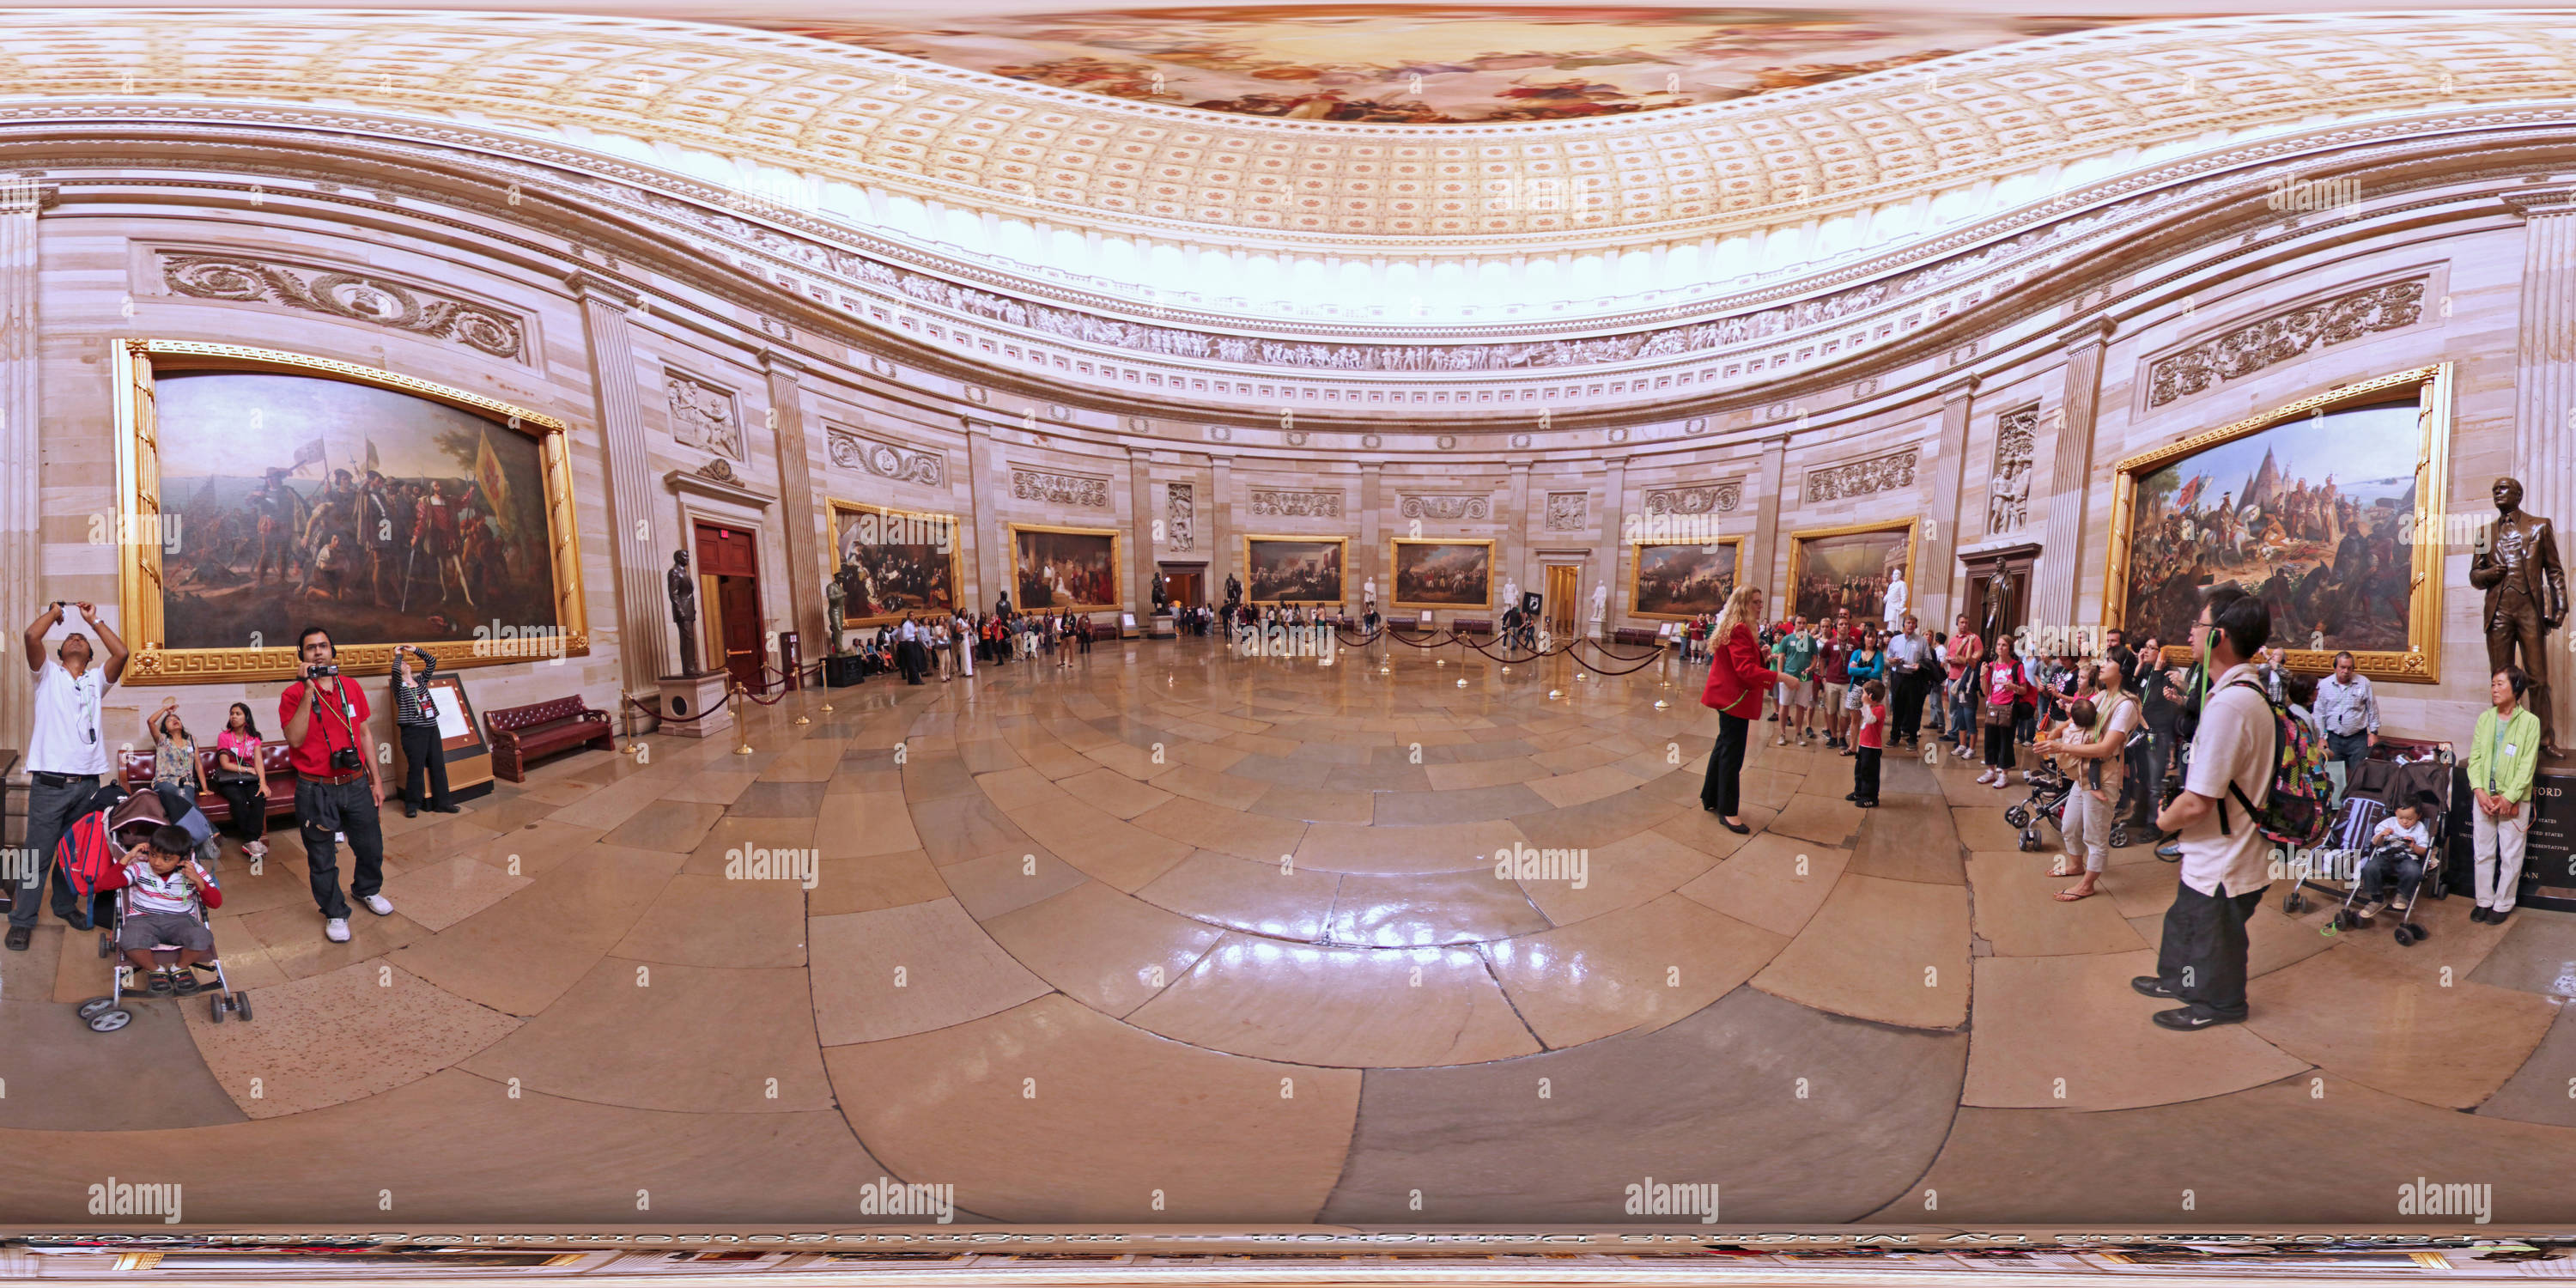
{"x":2351,"y":749}
{"x":2408,"y":869}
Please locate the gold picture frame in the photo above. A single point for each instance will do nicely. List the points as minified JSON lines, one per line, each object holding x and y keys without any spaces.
{"x":2420,"y":663}
{"x":1637,"y":567}
{"x":1786,"y":603}
{"x":1341,"y":564}
{"x":1117,"y":579}
{"x":1395,"y":550}
{"x":835,"y":508}
{"x":138,"y":484}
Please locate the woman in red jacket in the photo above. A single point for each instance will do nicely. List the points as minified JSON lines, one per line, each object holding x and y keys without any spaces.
{"x":1736,"y":682}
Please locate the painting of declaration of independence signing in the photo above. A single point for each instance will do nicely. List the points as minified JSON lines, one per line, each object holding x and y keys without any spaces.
{"x":2308,"y":515}
{"x":382,"y":516}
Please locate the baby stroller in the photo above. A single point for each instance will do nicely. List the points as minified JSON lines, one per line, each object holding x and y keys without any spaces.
{"x":2047,"y":803}
{"x":93,"y":855}
{"x":2379,"y":789}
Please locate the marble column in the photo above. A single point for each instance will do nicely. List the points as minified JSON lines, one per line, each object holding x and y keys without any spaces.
{"x":1145,"y":531}
{"x":1761,"y":563}
{"x":801,"y":507}
{"x":1218,"y":519}
{"x":2059,"y":575}
{"x":1937,"y":592}
{"x":1613,"y":563}
{"x":1372,"y":560}
{"x":646,"y":638}
{"x":2544,"y":377}
{"x":993,"y":552}
{"x":21,"y":435}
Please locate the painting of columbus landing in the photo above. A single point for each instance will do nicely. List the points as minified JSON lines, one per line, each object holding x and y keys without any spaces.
{"x":2312,"y":515}
{"x":382,"y":516}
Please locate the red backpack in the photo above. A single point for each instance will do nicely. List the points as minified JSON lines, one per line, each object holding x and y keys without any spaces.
{"x":89,"y":857}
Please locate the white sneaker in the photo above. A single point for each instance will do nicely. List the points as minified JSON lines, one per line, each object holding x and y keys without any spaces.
{"x":379,"y":905}
{"x":336,"y":930}
{"x":1780,"y":742}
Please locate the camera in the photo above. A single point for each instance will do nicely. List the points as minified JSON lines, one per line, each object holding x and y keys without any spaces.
{"x":327,"y":668}
{"x":345,"y":760}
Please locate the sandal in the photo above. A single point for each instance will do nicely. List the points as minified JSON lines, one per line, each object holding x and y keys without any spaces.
{"x":2061,"y":870}
{"x":184,"y":981}
{"x":160,"y":984}
{"x":2068,"y":895}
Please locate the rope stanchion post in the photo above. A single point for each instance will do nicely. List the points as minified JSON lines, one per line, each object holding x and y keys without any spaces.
{"x":735,"y":698}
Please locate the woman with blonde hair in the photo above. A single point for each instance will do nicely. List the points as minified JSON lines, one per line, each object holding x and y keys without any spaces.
{"x":1736,"y":682}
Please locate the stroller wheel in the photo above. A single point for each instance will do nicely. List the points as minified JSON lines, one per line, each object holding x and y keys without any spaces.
{"x":95,"y":1005}
{"x":2294,"y":902}
{"x":2017,"y":816}
{"x":110,"y":1021}
{"x":2029,"y":840}
{"x":106,"y":944}
{"x":2119,"y":836}
{"x":241,"y":1003}
{"x":215,"y":1008}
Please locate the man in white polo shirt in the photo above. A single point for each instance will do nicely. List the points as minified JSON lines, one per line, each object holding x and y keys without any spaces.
{"x":65,"y":755}
{"x":2226,"y":859}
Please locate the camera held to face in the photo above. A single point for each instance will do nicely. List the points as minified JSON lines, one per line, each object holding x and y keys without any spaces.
{"x":321,"y":669}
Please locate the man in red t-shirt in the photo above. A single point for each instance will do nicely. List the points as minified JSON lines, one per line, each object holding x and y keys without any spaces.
{"x":336,"y":791}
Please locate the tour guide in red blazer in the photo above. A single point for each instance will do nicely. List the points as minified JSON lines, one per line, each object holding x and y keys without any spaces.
{"x":1736,"y":682}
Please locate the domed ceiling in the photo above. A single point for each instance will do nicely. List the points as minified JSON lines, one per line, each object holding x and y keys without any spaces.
{"x":1420,"y":64}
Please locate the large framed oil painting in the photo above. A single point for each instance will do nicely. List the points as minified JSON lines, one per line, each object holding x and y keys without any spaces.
{"x":1442,"y":574}
{"x":1063,"y":568}
{"x":1293,"y":570}
{"x":282,"y":489}
{"x":2330,"y":509}
{"x":894,"y":562}
{"x":1677,"y":581}
{"x":1849,"y":567}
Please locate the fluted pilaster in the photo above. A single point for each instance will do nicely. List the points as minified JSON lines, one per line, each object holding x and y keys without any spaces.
{"x":2060,"y":570}
{"x":2544,"y":378}
{"x":645,"y":635}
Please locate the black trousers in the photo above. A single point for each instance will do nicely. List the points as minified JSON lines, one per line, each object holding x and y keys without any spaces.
{"x":250,"y":808}
{"x":1865,"y":773}
{"x":907,"y":655}
{"x":1725,"y":766}
{"x":2203,"y":956}
{"x":1908,"y":707}
{"x":1999,"y":744}
{"x":423,"y":754}
{"x":347,"y":808}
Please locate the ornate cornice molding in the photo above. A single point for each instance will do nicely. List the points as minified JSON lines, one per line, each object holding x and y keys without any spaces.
{"x":369,"y":296}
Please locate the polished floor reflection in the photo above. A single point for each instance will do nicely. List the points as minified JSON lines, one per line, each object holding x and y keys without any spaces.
{"x":1174,"y":936}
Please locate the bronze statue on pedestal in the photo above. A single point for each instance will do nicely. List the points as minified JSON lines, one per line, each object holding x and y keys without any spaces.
{"x":684,"y":609}
{"x":2526,"y":597}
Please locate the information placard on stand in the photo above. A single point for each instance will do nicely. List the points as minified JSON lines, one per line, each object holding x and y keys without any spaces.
{"x":469,"y":760}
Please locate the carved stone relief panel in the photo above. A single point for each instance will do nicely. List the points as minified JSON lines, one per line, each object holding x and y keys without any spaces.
{"x":363,"y":297}
{"x":1180,"y":516}
{"x":1569,"y":511}
{"x":1701,"y":498}
{"x":2008,"y":495}
{"x":1446,"y":507}
{"x":1860,"y":478}
{"x":1085,"y":491}
{"x":886,"y":460}
{"x":1297,"y":505}
{"x":2282,"y":336}
{"x":703,"y":415}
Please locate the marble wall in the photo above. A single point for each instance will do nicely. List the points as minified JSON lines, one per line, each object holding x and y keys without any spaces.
{"x":664,"y":365}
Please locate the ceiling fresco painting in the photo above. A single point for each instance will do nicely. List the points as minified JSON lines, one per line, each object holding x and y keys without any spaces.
{"x":1440,"y":64}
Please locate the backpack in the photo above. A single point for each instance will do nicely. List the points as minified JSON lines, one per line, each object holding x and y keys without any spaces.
{"x":89,"y":858}
{"x":2295,"y":812}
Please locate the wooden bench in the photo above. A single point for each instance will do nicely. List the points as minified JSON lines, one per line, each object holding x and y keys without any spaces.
{"x":1636,"y":635}
{"x":1472,"y":625}
{"x":277,"y":774}
{"x":520,"y":734}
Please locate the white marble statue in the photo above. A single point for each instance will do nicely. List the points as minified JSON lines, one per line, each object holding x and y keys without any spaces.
{"x":1511,"y":593}
{"x":1895,"y":615}
{"x":1600,"y":606}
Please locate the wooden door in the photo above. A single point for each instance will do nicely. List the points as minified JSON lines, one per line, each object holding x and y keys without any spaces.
{"x":1562,"y":586}
{"x":1182,"y":588}
{"x":728,"y":562}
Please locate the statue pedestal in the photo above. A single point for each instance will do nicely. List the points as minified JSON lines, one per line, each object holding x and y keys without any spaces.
{"x":693,"y":706}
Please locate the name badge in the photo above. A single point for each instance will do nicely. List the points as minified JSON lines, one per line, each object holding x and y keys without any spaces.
{"x":2511,"y":750}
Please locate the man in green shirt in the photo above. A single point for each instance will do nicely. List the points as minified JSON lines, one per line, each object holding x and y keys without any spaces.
{"x":2503,"y":754}
{"x":1797,"y":651}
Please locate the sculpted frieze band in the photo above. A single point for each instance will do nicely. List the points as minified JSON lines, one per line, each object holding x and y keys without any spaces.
{"x":363,"y":297}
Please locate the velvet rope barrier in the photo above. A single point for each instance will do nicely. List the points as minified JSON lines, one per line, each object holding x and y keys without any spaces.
{"x":1599,"y":669}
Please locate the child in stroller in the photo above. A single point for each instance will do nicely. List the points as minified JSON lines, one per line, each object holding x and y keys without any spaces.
{"x":2050,"y":785}
{"x":2398,"y":848}
{"x":167,"y":893}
